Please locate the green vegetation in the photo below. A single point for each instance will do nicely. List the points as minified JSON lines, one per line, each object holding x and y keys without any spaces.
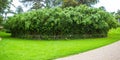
{"x":68,"y":3}
{"x":1,"y":19}
{"x":57,"y":23}
{"x":3,"y":5}
{"x":117,"y":14}
{"x":36,"y":4}
{"x":21,"y":49}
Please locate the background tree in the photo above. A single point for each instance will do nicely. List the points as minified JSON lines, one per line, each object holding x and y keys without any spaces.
{"x":1,"y":19}
{"x":103,"y":8}
{"x":8,"y":11}
{"x":19,"y":9}
{"x":67,"y":3}
{"x":118,"y":12}
{"x":117,"y":15}
{"x":36,"y":4}
{"x":3,"y":5}
{"x":88,"y":2}
{"x":52,"y":3}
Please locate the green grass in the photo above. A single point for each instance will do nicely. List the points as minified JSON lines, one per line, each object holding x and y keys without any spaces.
{"x":23,"y":49}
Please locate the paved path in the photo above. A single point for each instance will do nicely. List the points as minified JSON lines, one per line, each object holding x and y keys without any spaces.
{"x":110,"y":52}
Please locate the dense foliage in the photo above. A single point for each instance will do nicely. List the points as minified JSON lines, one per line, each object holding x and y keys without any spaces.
{"x":3,"y":5}
{"x":70,"y":22}
{"x":117,"y":15}
{"x":1,"y":19}
{"x":67,"y":3}
{"x":37,"y":4}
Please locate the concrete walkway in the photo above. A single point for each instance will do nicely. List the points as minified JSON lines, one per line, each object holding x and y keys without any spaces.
{"x":110,"y":52}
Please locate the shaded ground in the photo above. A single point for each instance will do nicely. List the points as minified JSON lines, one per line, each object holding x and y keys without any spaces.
{"x":110,"y":52}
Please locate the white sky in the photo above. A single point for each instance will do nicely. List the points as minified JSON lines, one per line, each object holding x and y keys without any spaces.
{"x":110,"y":5}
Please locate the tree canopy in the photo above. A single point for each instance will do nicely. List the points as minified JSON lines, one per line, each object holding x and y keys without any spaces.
{"x":117,"y":14}
{"x":36,"y":4}
{"x":19,"y":9}
{"x":67,"y":3}
{"x":1,"y":19}
{"x":88,"y":2}
{"x":3,"y":5}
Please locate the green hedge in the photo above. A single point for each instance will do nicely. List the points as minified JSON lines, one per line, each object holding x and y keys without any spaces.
{"x":70,"y":22}
{"x":1,"y":19}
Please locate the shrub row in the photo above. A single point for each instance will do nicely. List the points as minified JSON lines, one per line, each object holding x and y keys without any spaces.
{"x":1,"y":19}
{"x":81,"y":21}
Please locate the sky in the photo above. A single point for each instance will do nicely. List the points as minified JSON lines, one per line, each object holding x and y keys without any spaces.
{"x":110,"y":5}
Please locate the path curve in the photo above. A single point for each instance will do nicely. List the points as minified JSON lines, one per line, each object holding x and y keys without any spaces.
{"x":110,"y":52}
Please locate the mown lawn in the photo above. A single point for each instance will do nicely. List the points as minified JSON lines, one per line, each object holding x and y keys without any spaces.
{"x":23,"y":49}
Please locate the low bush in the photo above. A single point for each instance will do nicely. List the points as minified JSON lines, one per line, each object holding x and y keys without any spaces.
{"x":1,"y":19}
{"x":71,"y":22}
